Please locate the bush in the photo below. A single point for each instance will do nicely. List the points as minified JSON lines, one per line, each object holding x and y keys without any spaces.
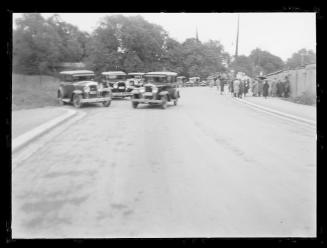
{"x":307,"y":98}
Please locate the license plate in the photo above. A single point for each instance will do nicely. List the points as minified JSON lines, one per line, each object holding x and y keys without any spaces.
{"x":93,"y":92}
{"x":121,"y":87}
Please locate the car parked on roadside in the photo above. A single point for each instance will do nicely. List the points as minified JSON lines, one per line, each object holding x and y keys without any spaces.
{"x":116,"y":80}
{"x":194,"y":81}
{"x":78,"y":87}
{"x":135,"y":79}
{"x":159,"y":88}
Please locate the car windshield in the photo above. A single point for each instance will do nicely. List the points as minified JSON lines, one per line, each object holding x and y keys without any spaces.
{"x":156,"y":79}
{"x":83,"y":78}
{"x":116,"y":77}
{"x":135,"y":76}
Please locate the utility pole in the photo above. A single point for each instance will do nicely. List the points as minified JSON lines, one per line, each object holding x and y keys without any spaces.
{"x":238,"y":27}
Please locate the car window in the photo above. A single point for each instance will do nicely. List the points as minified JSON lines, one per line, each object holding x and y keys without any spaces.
{"x":119,"y":77}
{"x":84,"y":78}
{"x":156,"y":79}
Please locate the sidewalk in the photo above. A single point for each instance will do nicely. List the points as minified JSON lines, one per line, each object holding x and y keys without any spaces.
{"x":295,"y":109}
{"x":29,"y":124}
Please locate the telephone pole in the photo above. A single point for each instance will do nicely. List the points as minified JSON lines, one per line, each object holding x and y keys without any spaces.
{"x":238,"y":27}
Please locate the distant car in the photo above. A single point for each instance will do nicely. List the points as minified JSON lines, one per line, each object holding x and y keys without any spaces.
{"x":159,"y":88}
{"x":116,"y":80}
{"x":181,"y":80}
{"x":203,"y":83}
{"x":195,"y":81}
{"x":78,"y":87}
{"x":189,"y":83}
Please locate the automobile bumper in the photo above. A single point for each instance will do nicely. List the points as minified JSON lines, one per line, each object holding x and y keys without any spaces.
{"x":121,"y":94}
{"x":143,"y":100}
{"x":98,"y":99}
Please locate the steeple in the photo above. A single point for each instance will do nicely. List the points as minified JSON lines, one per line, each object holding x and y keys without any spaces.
{"x":196,"y":34}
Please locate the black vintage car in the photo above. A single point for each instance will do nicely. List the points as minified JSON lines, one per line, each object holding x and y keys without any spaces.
{"x":117,"y":81}
{"x":159,"y":88}
{"x":79,"y":87}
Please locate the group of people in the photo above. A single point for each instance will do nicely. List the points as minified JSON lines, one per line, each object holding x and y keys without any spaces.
{"x":259,"y":86}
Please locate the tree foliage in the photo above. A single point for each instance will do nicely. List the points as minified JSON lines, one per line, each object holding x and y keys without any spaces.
{"x":301,"y":58}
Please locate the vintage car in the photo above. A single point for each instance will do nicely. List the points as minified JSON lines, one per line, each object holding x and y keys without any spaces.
{"x":159,"y":88}
{"x":78,"y":87}
{"x":181,"y":80}
{"x":116,"y":80}
{"x":135,"y":79}
{"x":203,"y":83}
{"x":195,"y":81}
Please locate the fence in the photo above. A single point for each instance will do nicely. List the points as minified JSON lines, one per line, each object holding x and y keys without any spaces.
{"x":302,"y":80}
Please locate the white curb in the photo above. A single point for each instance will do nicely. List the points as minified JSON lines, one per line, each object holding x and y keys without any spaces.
{"x":36,"y":132}
{"x":311,"y":122}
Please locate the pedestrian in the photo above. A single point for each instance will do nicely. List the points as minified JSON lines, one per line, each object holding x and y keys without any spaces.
{"x":222,"y":85}
{"x":231,"y":86}
{"x":286,"y":87}
{"x":241,"y":90}
{"x":236,"y":87}
{"x":218,"y":82}
{"x":260,"y":87}
{"x":265,"y":88}
{"x":255,"y":88}
{"x":246,"y":87}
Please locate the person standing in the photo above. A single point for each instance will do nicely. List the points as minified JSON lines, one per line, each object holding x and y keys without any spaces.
{"x":265,"y":89}
{"x":236,"y":87}
{"x":246,"y":87}
{"x":274,"y":87}
{"x":286,"y":87}
{"x":222,"y":85}
{"x":218,"y":80}
{"x":260,"y":87}
{"x":255,"y":88}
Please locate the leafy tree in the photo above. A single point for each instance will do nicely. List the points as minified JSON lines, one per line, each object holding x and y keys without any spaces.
{"x":265,"y":61}
{"x":300,"y":58}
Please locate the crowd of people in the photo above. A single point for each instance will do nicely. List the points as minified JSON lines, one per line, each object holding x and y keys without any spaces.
{"x":258,"y":87}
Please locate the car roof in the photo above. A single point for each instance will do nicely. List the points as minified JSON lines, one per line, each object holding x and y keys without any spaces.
{"x":163,"y":73}
{"x":113,"y":73}
{"x":181,"y":77}
{"x":76,"y":72}
{"x":136,"y":73}
{"x":194,"y":77}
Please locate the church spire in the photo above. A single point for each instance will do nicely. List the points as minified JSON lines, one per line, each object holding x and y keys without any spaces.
{"x":196,"y":34}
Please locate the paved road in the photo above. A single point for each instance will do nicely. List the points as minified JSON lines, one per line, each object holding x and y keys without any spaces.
{"x":210,"y":166}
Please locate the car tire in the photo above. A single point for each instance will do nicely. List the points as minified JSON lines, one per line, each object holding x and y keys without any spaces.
{"x":106,"y":103}
{"x":77,"y":101}
{"x":164,"y":102}
{"x":60,"y":97}
{"x":135,"y":104}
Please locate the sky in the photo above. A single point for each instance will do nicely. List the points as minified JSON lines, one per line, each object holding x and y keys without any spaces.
{"x":281,"y":34}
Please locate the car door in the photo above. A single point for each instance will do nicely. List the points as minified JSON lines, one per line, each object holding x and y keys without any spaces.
{"x":67,"y":86}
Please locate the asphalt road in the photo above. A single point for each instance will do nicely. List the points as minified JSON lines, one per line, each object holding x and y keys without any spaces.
{"x":209,"y":167}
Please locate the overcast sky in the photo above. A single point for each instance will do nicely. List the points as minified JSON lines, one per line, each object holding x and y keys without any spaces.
{"x":282,"y":34}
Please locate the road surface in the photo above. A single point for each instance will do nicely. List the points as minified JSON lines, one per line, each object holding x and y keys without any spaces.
{"x":209,"y":167}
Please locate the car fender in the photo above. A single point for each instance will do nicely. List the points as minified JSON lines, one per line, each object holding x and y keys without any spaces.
{"x":163,"y":93}
{"x":77,"y":92}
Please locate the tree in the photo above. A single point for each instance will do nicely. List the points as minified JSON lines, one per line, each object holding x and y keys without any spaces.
{"x":265,"y":61}
{"x":301,"y":58}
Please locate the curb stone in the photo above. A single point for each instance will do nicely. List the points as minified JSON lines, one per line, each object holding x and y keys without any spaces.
{"x":27,"y":137}
{"x":289,"y":116}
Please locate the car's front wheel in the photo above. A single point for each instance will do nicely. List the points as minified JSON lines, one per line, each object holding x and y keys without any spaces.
{"x":164,"y":102}
{"x":77,"y":101}
{"x":60,"y":97}
{"x":106,"y":103}
{"x":135,"y":104}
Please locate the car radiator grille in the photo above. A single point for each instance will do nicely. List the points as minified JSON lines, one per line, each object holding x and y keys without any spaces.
{"x":148,"y":89}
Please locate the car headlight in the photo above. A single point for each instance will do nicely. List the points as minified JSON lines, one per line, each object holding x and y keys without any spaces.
{"x":142,"y":90}
{"x":154,"y":89}
{"x":115,"y":86}
{"x":86,"y":89}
